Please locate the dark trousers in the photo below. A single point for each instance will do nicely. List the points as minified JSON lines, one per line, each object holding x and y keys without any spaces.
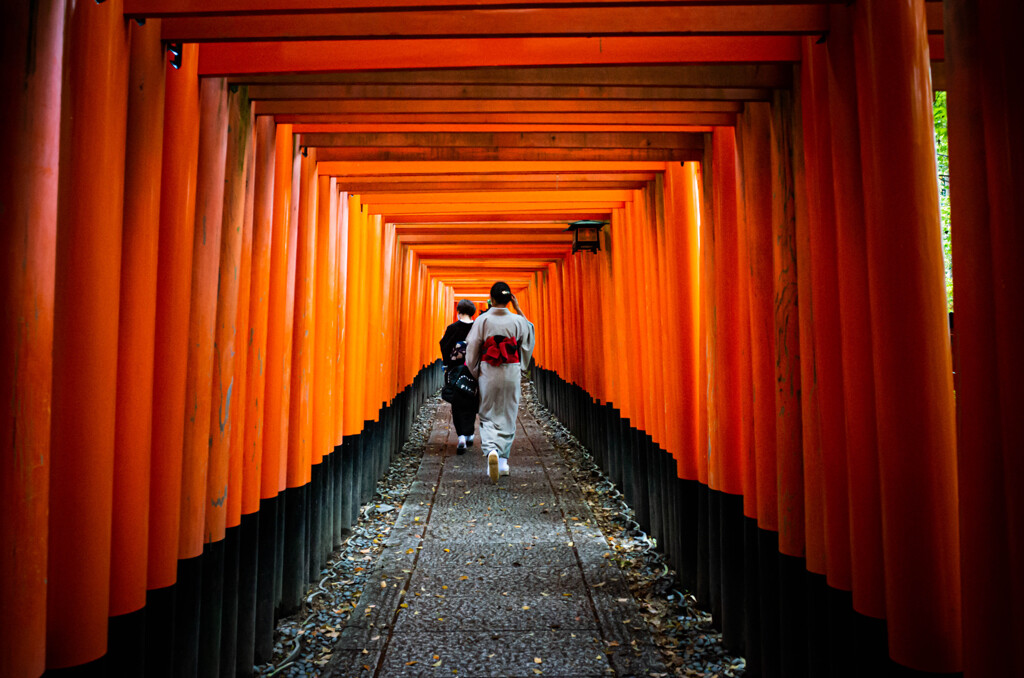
{"x":464,"y":419}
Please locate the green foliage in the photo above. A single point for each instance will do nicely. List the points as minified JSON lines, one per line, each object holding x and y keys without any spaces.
{"x":942,"y":155}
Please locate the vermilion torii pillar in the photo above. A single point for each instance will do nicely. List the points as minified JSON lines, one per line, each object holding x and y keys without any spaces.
{"x":986,"y":147}
{"x":137,"y":328}
{"x":30,"y":98}
{"x":911,"y":357}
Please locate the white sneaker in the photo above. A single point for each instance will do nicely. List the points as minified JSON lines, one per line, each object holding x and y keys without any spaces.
{"x":502,"y":466}
{"x":469,"y":440}
{"x":492,"y":466}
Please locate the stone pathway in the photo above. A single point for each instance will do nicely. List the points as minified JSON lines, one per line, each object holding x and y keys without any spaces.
{"x":478,"y":579}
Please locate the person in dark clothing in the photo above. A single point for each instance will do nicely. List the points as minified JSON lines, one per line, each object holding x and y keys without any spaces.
{"x":453,"y":353}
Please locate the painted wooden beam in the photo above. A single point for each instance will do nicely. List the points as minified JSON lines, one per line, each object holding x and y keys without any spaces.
{"x":514,"y":92}
{"x":268,"y":56}
{"x":682,"y":20}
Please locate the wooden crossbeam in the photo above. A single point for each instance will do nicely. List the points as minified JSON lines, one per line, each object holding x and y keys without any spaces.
{"x":506,"y":92}
{"x":506,"y":146}
{"x":449,"y":187}
{"x":494,"y":208}
{"x":646,"y":75}
{"x":484,"y":236}
{"x":302,"y":56}
{"x":472,"y":197}
{"x":454,"y":127}
{"x":465,"y":153}
{"x":515,"y":180}
{"x":171,"y":8}
{"x":344,"y":122}
{"x":674,"y":19}
{"x":469,"y":168}
{"x":540,"y":140}
{"x":307,"y":106}
{"x":495,"y":218}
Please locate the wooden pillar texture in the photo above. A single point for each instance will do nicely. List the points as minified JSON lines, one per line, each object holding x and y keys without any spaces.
{"x":986,"y":147}
{"x":30,"y":104}
{"x":85,"y":329}
{"x":911,"y":349}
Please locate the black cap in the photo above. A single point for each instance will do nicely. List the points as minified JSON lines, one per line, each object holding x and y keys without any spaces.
{"x":501,"y":292}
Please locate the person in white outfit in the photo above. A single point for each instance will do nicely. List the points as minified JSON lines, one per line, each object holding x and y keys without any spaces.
{"x":498,"y":351}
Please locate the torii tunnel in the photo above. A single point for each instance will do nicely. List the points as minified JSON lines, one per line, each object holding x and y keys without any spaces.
{"x":234,"y":230}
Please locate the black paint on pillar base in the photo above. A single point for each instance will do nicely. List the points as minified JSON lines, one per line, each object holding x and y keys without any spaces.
{"x":160,"y":610}
{"x":126,"y":644}
{"x":94,"y":669}
{"x":703,"y":589}
{"x":229,"y":610}
{"x":733,"y":583}
{"x":613,"y":448}
{"x":294,"y":575}
{"x":376,"y":452}
{"x":687,"y":507}
{"x":337,"y":496}
{"x":348,"y":472}
{"x":282,"y":506}
{"x":841,"y":645}
{"x":751,"y":598}
{"x":768,"y":585}
{"x":330,"y":506}
{"x":186,"y":617}
{"x":669,"y":525}
{"x":871,"y":637}
{"x":211,"y":610}
{"x":248,"y":574}
{"x":818,"y":630}
{"x":655,"y":504}
{"x":714,"y":557}
{"x":367,"y":467}
{"x":626,"y":459}
{"x":641,"y":493}
{"x":314,"y":516}
{"x":263,"y":649}
{"x":793,"y":616}
{"x":358,"y":474}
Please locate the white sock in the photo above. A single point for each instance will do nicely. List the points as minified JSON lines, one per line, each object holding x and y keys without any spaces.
{"x":462,"y":441}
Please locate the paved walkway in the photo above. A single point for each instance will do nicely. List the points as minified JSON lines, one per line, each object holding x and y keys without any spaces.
{"x":495,"y":580}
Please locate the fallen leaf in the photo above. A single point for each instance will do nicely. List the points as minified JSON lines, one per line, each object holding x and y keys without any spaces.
{"x":538,"y":660}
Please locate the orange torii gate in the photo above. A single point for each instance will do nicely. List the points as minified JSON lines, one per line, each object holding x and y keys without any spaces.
{"x":224,"y":282}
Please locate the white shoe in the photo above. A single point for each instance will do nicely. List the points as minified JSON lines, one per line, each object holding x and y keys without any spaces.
{"x":469,"y":440}
{"x":502,"y":466}
{"x":492,"y":466}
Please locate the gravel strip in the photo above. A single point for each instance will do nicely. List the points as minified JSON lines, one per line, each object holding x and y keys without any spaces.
{"x":303,"y":643}
{"x":681,"y":630}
